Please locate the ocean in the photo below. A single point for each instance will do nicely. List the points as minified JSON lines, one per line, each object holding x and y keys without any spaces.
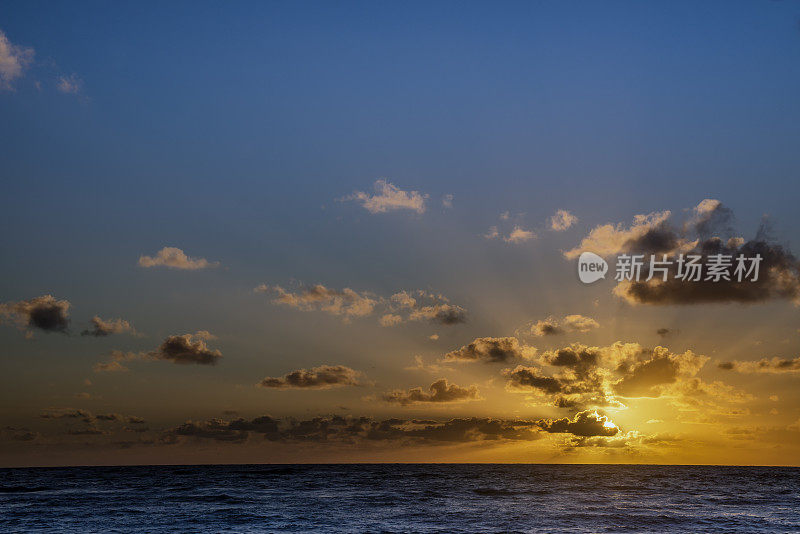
{"x":446,"y":498}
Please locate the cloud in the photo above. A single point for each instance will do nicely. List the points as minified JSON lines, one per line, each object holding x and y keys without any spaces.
{"x":101,"y":328}
{"x":89,"y":424}
{"x":68,"y":413}
{"x":491,"y":350}
{"x":204,"y":334}
{"x":445,"y":314}
{"x":186,"y":349}
{"x":664,"y":332}
{"x":175,"y":258}
{"x":420,"y":365}
{"x":226,"y":431}
{"x":546,"y":327}
{"x":519,"y":235}
{"x":609,"y":239}
{"x":344,"y":302}
{"x":388,"y":197}
{"x":466,"y":430}
{"x":706,"y":233}
{"x":119,"y":418}
{"x":525,"y":378}
{"x":390,"y":319}
{"x":570,"y":323}
{"x":562,"y":220}
{"x":180,"y":349}
{"x":71,"y":84}
{"x":42,"y":313}
{"x":447,"y":202}
{"x":398,"y":308}
{"x":19,"y":434}
{"x":585,"y":424}
{"x":440,"y":392}
{"x":493,"y":233}
{"x":112,"y":366}
{"x":14,"y":60}
{"x":580,"y":376}
{"x":352,"y":430}
{"x":779,"y":278}
{"x":693,"y":394}
{"x":771,"y":366}
{"x":404,"y":299}
{"x":322,"y":377}
{"x":708,"y":217}
{"x":647,"y":378}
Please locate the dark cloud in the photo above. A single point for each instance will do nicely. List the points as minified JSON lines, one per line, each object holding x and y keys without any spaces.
{"x":322,"y":377}
{"x":574,"y":356}
{"x":186,"y":349}
{"x":440,"y":391}
{"x":87,"y":431}
{"x":119,"y":418}
{"x":348,"y":429}
{"x":546,"y":328}
{"x":88,"y":417}
{"x":24,"y":435}
{"x":585,"y":424}
{"x":707,"y":232}
{"x":709,"y":218}
{"x":643,"y":378}
{"x":68,"y":413}
{"x":42,"y":313}
{"x":476,"y":429}
{"x":84,"y":423}
{"x":778,"y":276}
{"x":108,"y":417}
{"x":531,"y":377}
{"x":491,"y":350}
{"x":664,"y":332}
{"x":659,"y":239}
{"x":216,"y":429}
{"x":766,"y":365}
{"x":579,"y":378}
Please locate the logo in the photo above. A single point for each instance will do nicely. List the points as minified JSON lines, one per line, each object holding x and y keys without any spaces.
{"x":591,"y":267}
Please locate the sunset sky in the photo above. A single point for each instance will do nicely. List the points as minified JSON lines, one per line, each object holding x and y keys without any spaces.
{"x":313,"y":232}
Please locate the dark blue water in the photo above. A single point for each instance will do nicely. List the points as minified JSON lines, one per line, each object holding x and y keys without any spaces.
{"x":401,"y":498}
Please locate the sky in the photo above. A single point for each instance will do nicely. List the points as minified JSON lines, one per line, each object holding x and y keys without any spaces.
{"x":311,"y":232}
